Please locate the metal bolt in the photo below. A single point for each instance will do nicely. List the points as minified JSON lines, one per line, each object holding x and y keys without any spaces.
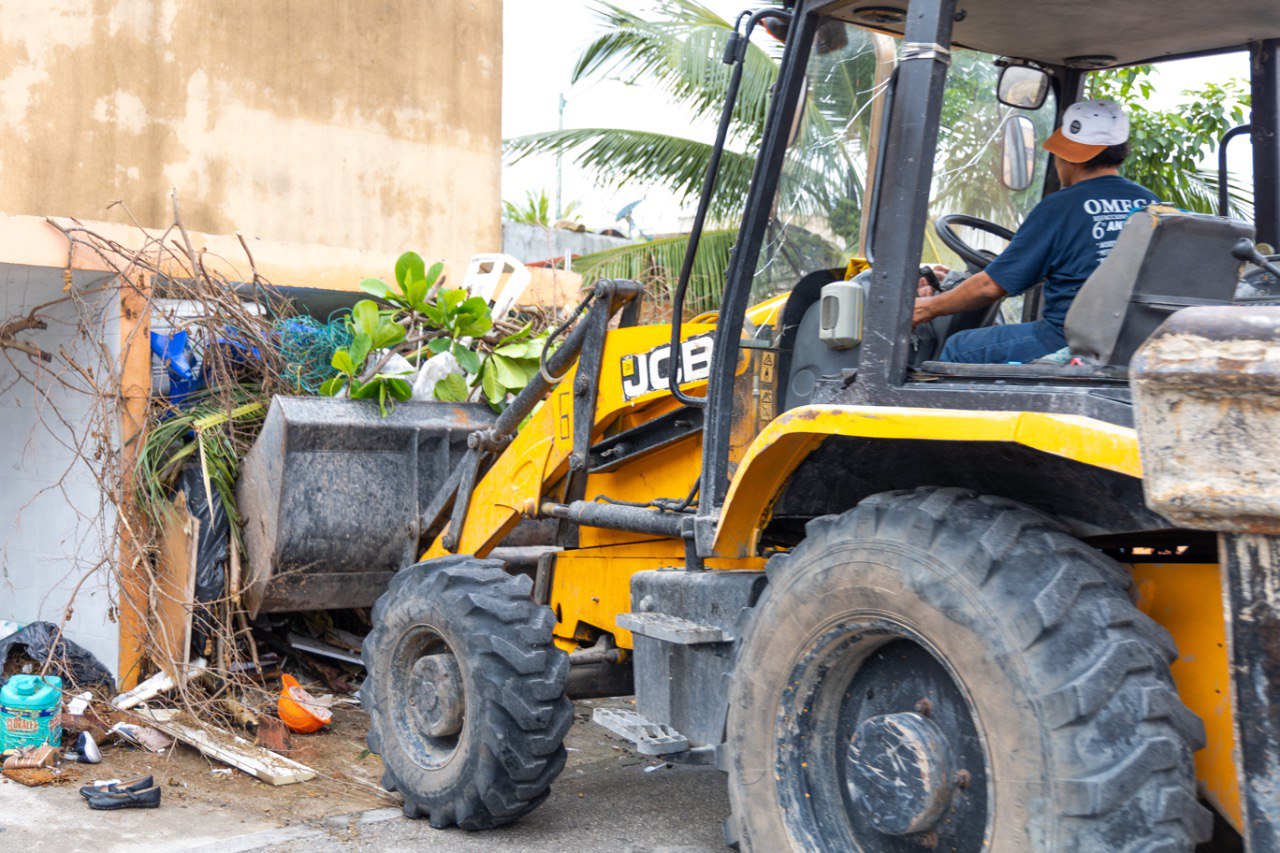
{"x":963,"y":778}
{"x":924,"y":708}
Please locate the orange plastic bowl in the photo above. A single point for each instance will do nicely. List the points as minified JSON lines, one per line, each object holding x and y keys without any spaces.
{"x":299,"y":711}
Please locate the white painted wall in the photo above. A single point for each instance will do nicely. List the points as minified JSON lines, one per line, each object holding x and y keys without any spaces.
{"x":55,"y":524}
{"x":530,"y":243}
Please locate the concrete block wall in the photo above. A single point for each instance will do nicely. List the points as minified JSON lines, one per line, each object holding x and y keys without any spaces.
{"x":56,"y":526}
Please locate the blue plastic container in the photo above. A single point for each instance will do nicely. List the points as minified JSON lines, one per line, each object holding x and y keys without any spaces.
{"x":30,"y":712}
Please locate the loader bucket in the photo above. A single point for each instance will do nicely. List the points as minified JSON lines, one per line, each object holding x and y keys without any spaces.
{"x":331,"y":492}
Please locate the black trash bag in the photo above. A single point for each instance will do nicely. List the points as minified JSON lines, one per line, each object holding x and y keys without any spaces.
{"x":72,"y":662}
{"x":211,"y":553}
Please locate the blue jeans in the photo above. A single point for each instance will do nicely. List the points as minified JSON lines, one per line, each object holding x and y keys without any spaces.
{"x":1018,"y":344}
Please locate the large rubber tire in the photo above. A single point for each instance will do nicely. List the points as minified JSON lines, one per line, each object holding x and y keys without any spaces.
{"x":1085,"y":742}
{"x":500,"y":763}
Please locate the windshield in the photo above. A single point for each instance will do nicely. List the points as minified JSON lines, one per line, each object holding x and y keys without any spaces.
{"x":969,"y":164}
{"x":819,"y":216}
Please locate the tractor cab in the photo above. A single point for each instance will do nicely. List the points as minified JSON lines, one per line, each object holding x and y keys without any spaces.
{"x":907,"y":135}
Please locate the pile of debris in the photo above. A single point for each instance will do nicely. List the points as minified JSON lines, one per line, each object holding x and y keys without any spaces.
{"x":211,"y":673}
{"x":55,"y":727}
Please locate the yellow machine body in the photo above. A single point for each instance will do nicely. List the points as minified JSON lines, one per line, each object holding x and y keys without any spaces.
{"x":590,"y":584}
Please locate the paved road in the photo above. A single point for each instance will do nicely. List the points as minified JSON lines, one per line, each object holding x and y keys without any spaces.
{"x":606,"y":799}
{"x":622,"y":809}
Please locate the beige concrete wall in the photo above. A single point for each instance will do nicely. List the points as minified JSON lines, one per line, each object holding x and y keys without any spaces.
{"x":367,"y":124}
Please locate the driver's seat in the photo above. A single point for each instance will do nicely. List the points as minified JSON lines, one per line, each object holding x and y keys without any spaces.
{"x":1164,"y":260}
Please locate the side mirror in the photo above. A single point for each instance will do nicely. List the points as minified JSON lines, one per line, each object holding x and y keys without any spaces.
{"x":1023,"y":87}
{"x":1018,"y":152}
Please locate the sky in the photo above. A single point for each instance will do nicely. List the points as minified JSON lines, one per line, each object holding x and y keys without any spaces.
{"x":542,"y":40}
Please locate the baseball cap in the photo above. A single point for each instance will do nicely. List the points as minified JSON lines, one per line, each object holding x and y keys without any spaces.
{"x":1088,"y":127}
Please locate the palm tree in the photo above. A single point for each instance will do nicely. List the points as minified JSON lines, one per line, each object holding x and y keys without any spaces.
{"x":676,"y":50}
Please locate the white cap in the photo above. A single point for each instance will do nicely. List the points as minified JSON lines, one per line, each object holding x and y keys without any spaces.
{"x":1087,"y":128}
{"x":1097,"y":122}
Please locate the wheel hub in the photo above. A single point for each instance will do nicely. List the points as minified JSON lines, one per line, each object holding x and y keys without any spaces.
{"x":899,"y":772}
{"x":436,"y":693}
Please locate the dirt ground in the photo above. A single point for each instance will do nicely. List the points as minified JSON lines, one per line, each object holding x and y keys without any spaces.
{"x":346,"y":781}
{"x":208,"y":808}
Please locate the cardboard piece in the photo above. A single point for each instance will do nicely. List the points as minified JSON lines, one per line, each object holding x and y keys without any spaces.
{"x":230,"y":749}
{"x":173,"y":597}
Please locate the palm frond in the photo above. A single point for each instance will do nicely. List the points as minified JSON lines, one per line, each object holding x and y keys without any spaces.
{"x":619,"y":157}
{"x":656,"y":264}
{"x":679,"y":50}
{"x":1197,"y":190}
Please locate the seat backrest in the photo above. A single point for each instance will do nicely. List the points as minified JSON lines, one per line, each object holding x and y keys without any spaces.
{"x":1163,"y":260}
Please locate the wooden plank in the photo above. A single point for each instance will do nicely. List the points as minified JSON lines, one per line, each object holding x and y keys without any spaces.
{"x":135,"y":392}
{"x":174,"y":594}
{"x":230,"y":749}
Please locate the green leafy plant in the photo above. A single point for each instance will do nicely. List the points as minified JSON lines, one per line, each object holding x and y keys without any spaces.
{"x":536,"y":210}
{"x":460,"y":318}
{"x":423,"y":320}
{"x":511,"y":365}
{"x":413,"y":280}
{"x":505,"y":368}
{"x":371,"y":330}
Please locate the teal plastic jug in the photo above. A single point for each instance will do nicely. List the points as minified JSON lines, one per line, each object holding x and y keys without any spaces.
{"x":30,"y":712}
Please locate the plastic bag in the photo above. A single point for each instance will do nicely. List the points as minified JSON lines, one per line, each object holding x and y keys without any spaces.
{"x":185,"y":374}
{"x":73,"y":662}
{"x":211,"y":551}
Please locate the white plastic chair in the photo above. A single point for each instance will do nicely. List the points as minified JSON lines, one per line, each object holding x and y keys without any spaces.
{"x":484,"y":277}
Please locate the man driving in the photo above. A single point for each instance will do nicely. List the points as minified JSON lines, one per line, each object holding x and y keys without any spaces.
{"x":1062,"y":241}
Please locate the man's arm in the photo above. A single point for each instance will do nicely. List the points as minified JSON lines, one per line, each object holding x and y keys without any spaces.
{"x":977,"y":291}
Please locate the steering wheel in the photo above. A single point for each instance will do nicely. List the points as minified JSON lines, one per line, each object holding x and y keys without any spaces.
{"x":975,"y":259}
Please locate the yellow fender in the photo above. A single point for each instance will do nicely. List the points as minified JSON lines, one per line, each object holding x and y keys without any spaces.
{"x":773,"y":456}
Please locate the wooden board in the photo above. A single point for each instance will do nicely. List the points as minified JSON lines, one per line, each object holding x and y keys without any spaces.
{"x":230,"y":749}
{"x":173,"y":598}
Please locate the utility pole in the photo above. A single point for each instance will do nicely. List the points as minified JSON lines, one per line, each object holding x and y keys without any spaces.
{"x":560,"y":165}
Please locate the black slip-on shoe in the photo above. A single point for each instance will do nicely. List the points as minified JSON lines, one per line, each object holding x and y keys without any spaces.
{"x":147,"y":798}
{"x":132,"y":785}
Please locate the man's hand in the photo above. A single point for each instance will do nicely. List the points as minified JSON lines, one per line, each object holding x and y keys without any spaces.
{"x":977,"y":291}
{"x":923,"y":312}
{"x":925,"y":287}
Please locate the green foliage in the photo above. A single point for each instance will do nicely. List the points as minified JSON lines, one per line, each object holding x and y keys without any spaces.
{"x":656,"y":264}
{"x":505,"y":369}
{"x":216,"y":433}
{"x":458,"y":315}
{"x":536,"y":210}
{"x":414,"y":283}
{"x":441,"y":320}
{"x":1170,"y":146}
{"x":676,"y":48}
{"x":372,"y":330}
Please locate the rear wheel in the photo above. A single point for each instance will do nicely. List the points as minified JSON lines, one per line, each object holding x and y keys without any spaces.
{"x":942,"y":669}
{"x":465,"y":693}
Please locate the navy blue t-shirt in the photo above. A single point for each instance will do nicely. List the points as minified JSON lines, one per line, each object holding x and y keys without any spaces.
{"x":1065,"y":237}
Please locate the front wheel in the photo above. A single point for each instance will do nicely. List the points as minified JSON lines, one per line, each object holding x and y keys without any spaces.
{"x":940,"y":670}
{"x":465,"y":693}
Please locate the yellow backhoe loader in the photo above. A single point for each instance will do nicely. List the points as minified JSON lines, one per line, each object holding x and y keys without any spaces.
{"x":903,"y":604}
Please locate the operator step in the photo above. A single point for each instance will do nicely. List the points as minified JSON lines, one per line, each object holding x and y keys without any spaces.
{"x":672,"y":629}
{"x":648,"y":738}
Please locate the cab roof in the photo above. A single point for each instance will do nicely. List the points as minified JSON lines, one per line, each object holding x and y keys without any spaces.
{"x":1060,"y":32}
